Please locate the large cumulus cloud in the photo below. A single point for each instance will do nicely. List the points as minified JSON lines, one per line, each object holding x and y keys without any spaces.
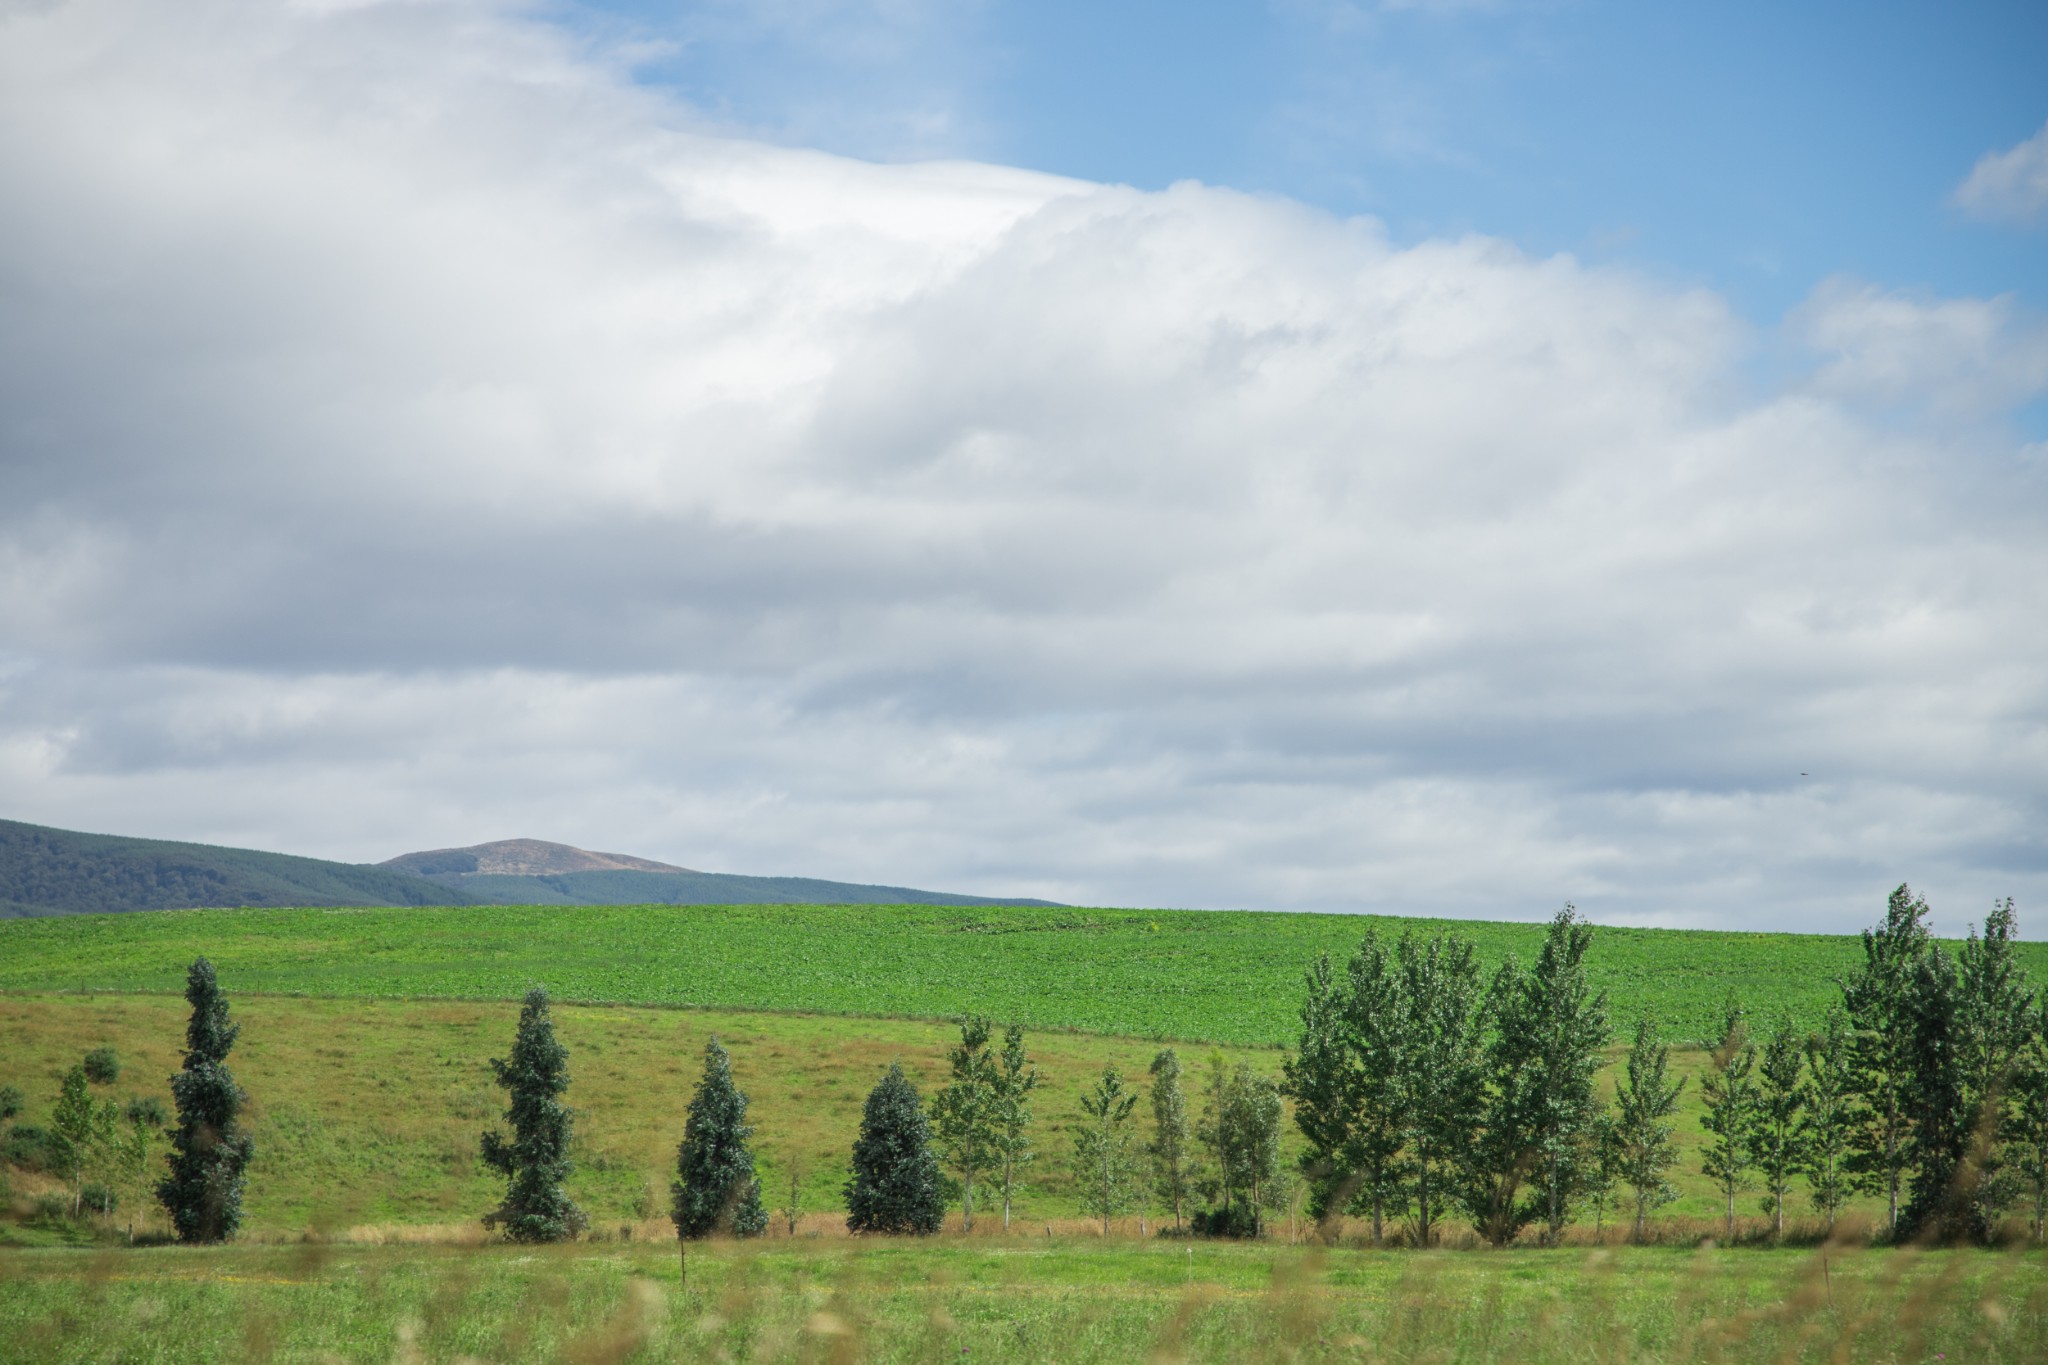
{"x":415,"y":433}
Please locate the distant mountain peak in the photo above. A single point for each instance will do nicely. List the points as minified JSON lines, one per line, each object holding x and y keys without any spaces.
{"x":521,"y":858}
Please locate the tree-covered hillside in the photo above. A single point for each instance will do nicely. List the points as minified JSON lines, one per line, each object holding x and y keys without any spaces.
{"x":55,"y":872}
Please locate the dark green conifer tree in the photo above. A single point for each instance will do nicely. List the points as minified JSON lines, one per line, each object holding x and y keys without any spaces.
{"x":895,"y":1182}
{"x":715,"y":1189}
{"x":535,"y":1162}
{"x":209,"y":1152}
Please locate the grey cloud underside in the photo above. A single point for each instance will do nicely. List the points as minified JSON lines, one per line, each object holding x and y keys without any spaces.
{"x":411,"y":432}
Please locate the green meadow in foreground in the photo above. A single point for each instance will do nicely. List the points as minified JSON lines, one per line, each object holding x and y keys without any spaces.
{"x":1223,"y":976}
{"x":1057,"y":1299}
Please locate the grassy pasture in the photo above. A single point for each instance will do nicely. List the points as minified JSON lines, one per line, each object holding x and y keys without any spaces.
{"x":1060,"y":1299}
{"x":1224,"y":976}
{"x":367,"y":1112}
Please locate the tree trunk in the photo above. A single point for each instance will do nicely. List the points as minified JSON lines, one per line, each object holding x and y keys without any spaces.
{"x":967,"y":1198}
{"x":682,"y":1261}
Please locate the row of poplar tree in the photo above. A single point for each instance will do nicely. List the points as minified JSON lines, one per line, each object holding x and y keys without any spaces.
{"x":972,"y":1141}
{"x":1424,"y":1092}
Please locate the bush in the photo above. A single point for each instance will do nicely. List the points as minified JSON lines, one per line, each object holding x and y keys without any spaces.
{"x":33,"y":1148}
{"x":146,"y":1109}
{"x":1235,"y":1221}
{"x":102,"y":1066}
{"x":51,"y":1208}
{"x":10,"y":1101}
{"x":97,"y":1198}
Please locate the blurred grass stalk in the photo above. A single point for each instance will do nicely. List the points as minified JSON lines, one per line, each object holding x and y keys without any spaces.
{"x":1066,"y":1297}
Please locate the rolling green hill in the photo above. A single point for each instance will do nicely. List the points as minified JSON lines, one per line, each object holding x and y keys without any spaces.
{"x":61,"y":872}
{"x":1223,"y":976}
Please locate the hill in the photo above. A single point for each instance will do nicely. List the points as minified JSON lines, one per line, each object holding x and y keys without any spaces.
{"x":1222,"y":976}
{"x":520,"y":858}
{"x":535,"y":872}
{"x":59,"y":872}
{"x":47,"y":871}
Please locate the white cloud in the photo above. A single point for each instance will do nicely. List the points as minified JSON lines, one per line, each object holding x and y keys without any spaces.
{"x":415,"y":434}
{"x":2010,"y":185}
{"x":1962,"y":355}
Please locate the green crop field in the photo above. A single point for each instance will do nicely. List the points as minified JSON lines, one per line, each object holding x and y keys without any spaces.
{"x":1068,"y":1298}
{"x":1225,"y":976}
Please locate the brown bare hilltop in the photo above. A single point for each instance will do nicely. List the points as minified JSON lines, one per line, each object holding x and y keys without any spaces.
{"x":521,"y":858}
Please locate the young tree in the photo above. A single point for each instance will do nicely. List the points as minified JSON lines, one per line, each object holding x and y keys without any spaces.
{"x":1015,"y":1081}
{"x":895,"y":1182}
{"x":1878,"y":998}
{"x":1241,"y":1127}
{"x":1827,"y":1108}
{"x":1436,"y":1064}
{"x":133,"y":1150}
{"x":536,"y":1161}
{"x":1172,"y":1159}
{"x":715,"y":1189}
{"x":1728,"y":1092}
{"x":793,"y":1195}
{"x":102,"y":1066}
{"x":1644,"y":1102}
{"x":209,"y":1152}
{"x":1774,"y":1140}
{"x":86,"y":1132}
{"x":965,"y":1116}
{"x":1600,"y":1170}
{"x":1105,"y":1167}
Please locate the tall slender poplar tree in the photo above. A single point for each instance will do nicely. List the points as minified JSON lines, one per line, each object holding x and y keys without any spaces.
{"x":1437,"y":1070}
{"x":1775,"y":1138}
{"x":1644,"y":1102}
{"x":966,"y":1113}
{"x":1827,"y":1109}
{"x":1015,"y":1080}
{"x":1173,"y":1175}
{"x":1105,"y":1165}
{"x":1728,"y":1092}
{"x":209,"y":1152}
{"x":1878,"y":998}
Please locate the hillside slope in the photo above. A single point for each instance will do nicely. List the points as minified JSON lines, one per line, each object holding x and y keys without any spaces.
{"x":58,"y":872}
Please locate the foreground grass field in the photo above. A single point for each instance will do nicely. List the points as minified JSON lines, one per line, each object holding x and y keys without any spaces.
{"x":1060,"y":1299}
{"x":367,"y":1112}
{"x":1231,"y":977}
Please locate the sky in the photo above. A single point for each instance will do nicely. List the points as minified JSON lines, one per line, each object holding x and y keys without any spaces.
{"x":1438,"y":458}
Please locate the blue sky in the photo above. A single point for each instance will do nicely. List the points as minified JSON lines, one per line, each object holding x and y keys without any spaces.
{"x":1753,"y":148}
